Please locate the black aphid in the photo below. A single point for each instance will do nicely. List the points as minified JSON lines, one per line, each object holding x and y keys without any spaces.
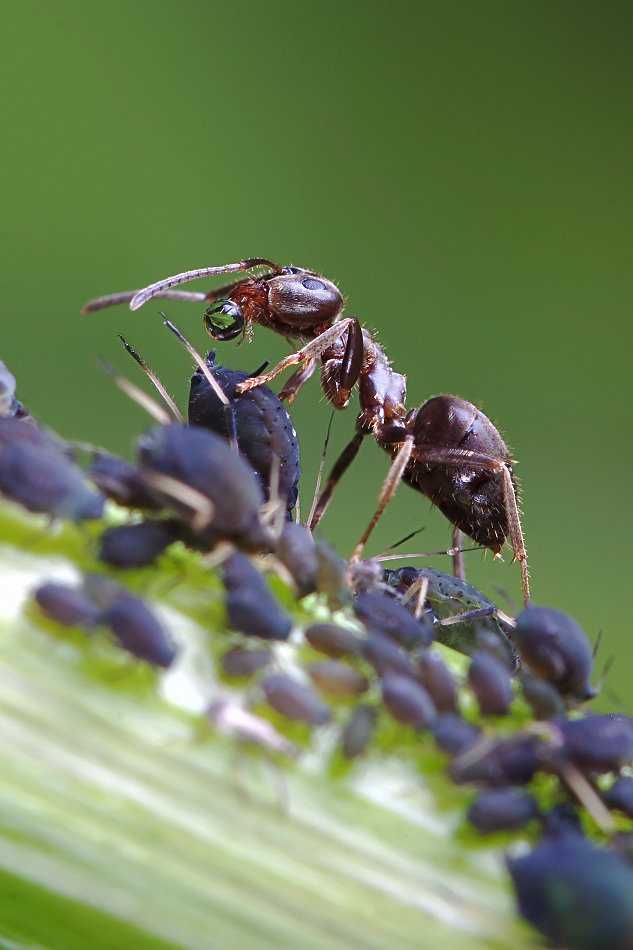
{"x":334,"y":641}
{"x":491,"y":683}
{"x":383,"y":614}
{"x":244,"y":661}
{"x":139,"y":631}
{"x":512,"y":761}
{"x":438,"y":680}
{"x":296,"y":550}
{"x":557,"y":649}
{"x":543,"y":698}
{"x":358,"y":731}
{"x":294,"y":700}
{"x":122,"y":482}
{"x":620,"y":796}
{"x":600,"y":743}
{"x":454,"y":735}
{"x":502,"y":809}
{"x":250,"y":606}
{"x":66,"y":605}
{"x":407,"y":701}
{"x":137,"y":545}
{"x":337,"y":679}
{"x":386,"y":656}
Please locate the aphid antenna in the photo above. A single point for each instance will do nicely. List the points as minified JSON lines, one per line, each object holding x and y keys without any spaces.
{"x":510,"y":601}
{"x":317,"y":485}
{"x":154,"y":379}
{"x":597,"y":644}
{"x":212,"y":381}
{"x":201,"y":506}
{"x":407,"y":537}
{"x":139,"y":396}
{"x":447,"y":552}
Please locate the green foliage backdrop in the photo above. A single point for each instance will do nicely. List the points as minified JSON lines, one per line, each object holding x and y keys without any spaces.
{"x":464,"y":171}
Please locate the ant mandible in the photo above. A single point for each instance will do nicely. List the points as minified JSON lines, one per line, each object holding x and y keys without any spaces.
{"x":447,"y":448}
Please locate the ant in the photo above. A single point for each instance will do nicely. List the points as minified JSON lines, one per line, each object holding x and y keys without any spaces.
{"x":447,"y":448}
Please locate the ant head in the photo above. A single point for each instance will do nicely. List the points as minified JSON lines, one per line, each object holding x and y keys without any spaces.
{"x":300,"y":298}
{"x":224,"y":322}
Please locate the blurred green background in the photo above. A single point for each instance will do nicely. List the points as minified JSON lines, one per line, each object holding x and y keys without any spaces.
{"x":464,"y":171}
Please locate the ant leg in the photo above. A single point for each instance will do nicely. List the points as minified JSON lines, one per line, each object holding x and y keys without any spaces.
{"x":291,"y":388}
{"x":151,"y":375}
{"x":112,"y":300}
{"x":459,"y":570}
{"x":390,"y":484}
{"x":310,"y":351}
{"x":339,"y":468}
{"x":339,"y":374}
{"x":449,"y":456}
{"x":155,"y":289}
{"x":212,"y":381}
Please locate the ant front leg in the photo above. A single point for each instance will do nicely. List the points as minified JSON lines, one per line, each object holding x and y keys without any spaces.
{"x":292,"y":386}
{"x":311,"y":351}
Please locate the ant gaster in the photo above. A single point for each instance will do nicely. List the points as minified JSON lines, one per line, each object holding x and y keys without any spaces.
{"x":447,"y":449}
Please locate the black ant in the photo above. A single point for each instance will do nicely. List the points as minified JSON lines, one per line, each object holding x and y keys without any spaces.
{"x":447,"y":448}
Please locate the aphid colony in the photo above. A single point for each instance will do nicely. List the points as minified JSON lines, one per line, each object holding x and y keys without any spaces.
{"x":225,"y":483}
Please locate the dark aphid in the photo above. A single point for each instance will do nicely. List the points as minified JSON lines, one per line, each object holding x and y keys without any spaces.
{"x":66,"y":605}
{"x":620,"y":796}
{"x":512,"y":761}
{"x":387,"y":657}
{"x":557,"y":649}
{"x":577,"y":895}
{"x":139,"y":631}
{"x":243,"y":661}
{"x":250,"y":605}
{"x":206,"y":464}
{"x":448,"y":597}
{"x":7,"y":391}
{"x":600,"y":743}
{"x":502,"y":809}
{"x":407,"y":701}
{"x":358,"y":731}
{"x":453,"y":734}
{"x":336,"y":679}
{"x":333,"y":641}
{"x":35,"y":473}
{"x":499,"y":647}
{"x":265,"y":434}
{"x":383,"y":614}
{"x":296,"y":550}
{"x":294,"y":700}
{"x":122,"y":482}
{"x":331,"y":578}
{"x":438,"y":680}
{"x":561,"y":819}
{"x":544,"y":699}
{"x":491,"y":683}
{"x":137,"y":545}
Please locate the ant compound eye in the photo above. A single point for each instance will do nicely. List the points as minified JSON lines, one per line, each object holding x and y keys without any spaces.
{"x":311,"y":283}
{"x":303,"y":300}
{"x":224,"y":322}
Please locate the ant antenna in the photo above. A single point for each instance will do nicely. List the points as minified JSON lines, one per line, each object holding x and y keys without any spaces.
{"x":160,"y":286}
{"x":407,"y":537}
{"x":212,"y":381}
{"x":260,"y":369}
{"x":317,"y":486}
{"x":139,"y":396}
{"x":151,"y":375}
{"x":112,"y":300}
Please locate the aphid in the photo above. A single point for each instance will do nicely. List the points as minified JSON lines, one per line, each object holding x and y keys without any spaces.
{"x":297,"y":551}
{"x":512,"y":761}
{"x":386,"y":656}
{"x":577,"y":895}
{"x":491,"y":683}
{"x":447,"y":449}
{"x":139,"y":631}
{"x":122,"y":482}
{"x":204,"y":463}
{"x":407,"y":701}
{"x":336,"y":679}
{"x":35,"y":473}
{"x":137,"y":545}
{"x":438,"y":681}
{"x":358,"y":731}
{"x":244,"y":661}
{"x":620,"y":795}
{"x":9,"y":405}
{"x":453,"y":734}
{"x":265,"y":434}
{"x":502,"y":809}
{"x":557,"y":649}
{"x":332,"y":576}
{"x":383,"y":614}
{"x":294,"y":700}
{"x":66,"y":605}
{"x":599,"y":743}
{"x":333,"y":641}
{"x":544,"y":699}
{"x":250,"y":606}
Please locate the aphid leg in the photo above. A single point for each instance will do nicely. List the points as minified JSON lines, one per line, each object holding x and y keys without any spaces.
{"x":311,"y":350}
{"x":153,"y":378}
{"x":459,"y":569}
{"x":139,"y":396}
{"x":478,"y":614}
{"x":390,"y":484}
{"x":419,"y":588}
{"x":212,"y":381}
{"x":157,"y":288}
{"x":317,"y":484}
{"x":291,"y":388}
{"x":587,"y":796}
{"x":339,"y":468}
{"x":113,"y":300}
{"x":201,"y":506}
{"x":448,"y":552}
